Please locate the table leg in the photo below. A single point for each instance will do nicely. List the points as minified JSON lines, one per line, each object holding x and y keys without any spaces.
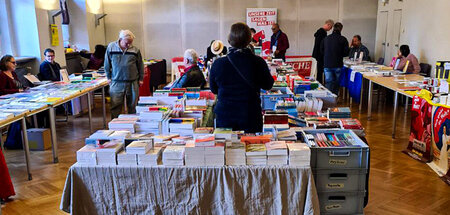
{"x":90,"y":112}
{"x":369,"y":103}
{"x":104,"y":107}
{"x":394,"y":120}
{"x":26,"y":147}
{"x":1,"y":139}
{"x":35,"y":122}
{"x":53,"y":131}
{"x":361,"y":96}
{"x":406,"y":104}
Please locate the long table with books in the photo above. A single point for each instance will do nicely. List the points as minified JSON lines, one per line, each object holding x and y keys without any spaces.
{"x":47,"y":97}
{"x":166,"y":150}
{"x":353,"y":80}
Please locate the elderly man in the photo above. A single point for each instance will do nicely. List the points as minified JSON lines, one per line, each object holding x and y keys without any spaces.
{"x":357,"y":48}
{"x":318,"y":37}
{"x":279,"y":42}
{"x":192,"y":76}
{"x":125,"y":68}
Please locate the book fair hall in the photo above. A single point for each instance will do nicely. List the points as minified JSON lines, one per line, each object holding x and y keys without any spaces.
{"x":126,"y":107}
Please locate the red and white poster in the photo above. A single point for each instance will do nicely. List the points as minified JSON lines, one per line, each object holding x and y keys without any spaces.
{"x":419,"y":146}
{"x":261,"y":19}
{"x":441,"y":141}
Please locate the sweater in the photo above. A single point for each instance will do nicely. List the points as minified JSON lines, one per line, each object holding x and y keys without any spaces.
{"x":238,"y":102}
{"x":8,"y":85}
{"x":334,"y":48}
{"x":123,"y":65}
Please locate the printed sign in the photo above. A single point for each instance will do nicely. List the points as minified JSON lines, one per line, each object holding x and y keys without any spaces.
{"x":419,"y":146}
{"x":54,"y":34}
{"x":261,"y":19}
{"x":441,"y":139}
{"x":303,"y":65}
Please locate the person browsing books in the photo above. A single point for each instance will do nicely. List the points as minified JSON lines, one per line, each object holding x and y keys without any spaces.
{"x":237,"y":80}
{"x":279,"y":42}
{"x":125,"y":68}
{"x":192,"y":76}
{"x":49,"y":69}
{"x":320,"y":34}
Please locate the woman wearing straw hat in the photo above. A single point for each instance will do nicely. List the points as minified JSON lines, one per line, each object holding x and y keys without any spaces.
{"x":237,"y":81}
{"x":216,"y":49}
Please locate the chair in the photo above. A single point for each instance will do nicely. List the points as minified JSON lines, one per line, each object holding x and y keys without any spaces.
{"x":380,"y":61}
{"x":425,"y":69}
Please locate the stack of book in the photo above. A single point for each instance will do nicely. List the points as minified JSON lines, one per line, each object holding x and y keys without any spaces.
{"x":235,"y":154}
{"x":326,"y":124}
{"x":162,"y":138}
{"x":194,"y":156}
{"x":256,"y":139}
{"x":106,"y":153}
{"x":126,"y":159}
{"x":139,"y":147}
{"x":122,"y":124}
{"x":207,"y":140}
{"x":256,"y":154}
{"x":87,"y":155}
{"x":299,"y":154}
{"x":119,"y":135}
{"x":339,"y":112}
{"x":156,"y":113}
{"x":182,"y":126}
{"x":223,"y":133}
{"x":173,"y":155}
{"x":287,"y":135}
{"x":215,"y":156}
{"x":148,"y":127}
{"x":151,"y":158}
{"x":277,"y":153}
{"x":353,"y":124}
{"x":128,"y":116}
{"x":182,"y":140}
{"x":202,"y":131}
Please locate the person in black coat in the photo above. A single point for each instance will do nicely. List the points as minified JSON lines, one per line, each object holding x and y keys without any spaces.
{"x":49,"y":69}
{"x":192,"y":76}
{"x":237,"y":80}
{"x":318,"y":37}
{"x":334,"y":48}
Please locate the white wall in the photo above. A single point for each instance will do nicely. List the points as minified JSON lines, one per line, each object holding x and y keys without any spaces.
{"x":165,"y":28}
{"x":424,"y":28}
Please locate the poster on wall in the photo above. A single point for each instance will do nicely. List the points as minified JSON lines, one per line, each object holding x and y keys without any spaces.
{"x":54,"y":34}
{"x":261,"y":19}
{"x":440,"y":141}
{"x":419,"y":146}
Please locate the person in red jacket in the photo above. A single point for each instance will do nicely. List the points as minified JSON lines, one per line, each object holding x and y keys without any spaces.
{"x":8,"y":84}
{"x":279,"y":42}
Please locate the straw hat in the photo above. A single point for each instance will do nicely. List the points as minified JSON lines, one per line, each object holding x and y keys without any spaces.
{"x":217,"y":47}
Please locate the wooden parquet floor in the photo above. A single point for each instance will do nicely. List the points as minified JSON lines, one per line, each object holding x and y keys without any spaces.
{"x":398,"y":184}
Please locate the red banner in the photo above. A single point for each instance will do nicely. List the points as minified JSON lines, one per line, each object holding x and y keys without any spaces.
{"x":419,"y":146}
{"x":441,"y":140}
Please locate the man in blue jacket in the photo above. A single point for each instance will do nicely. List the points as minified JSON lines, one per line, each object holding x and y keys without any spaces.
{"x":125,"y":68}
{"x":334,"y":48}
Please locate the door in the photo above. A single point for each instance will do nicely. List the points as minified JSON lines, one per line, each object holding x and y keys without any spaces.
{"x":396,"y":31}
{"x":381,"y":43}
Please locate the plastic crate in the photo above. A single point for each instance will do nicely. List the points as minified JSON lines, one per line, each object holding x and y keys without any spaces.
{"x":347,"y":157}
{"x":269,"y":100}
{"x":341,"y":202}
{"x":342,"y":180}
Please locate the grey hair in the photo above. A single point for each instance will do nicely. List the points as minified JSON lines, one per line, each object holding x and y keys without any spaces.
{"x":191,"y":55}
{"x":126,"y":34}
{"x":329,"y":22}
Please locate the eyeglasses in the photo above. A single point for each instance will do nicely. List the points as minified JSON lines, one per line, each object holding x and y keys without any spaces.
{"x":13,"y":62}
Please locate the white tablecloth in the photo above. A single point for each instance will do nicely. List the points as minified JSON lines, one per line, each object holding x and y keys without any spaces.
{"x":190,"y":190}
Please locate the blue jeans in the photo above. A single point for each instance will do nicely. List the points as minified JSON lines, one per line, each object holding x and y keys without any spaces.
{"x":118,"y":90}
{"x":332,"y":79}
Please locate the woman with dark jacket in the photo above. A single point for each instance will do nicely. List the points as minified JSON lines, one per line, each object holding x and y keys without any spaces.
{"x":8,"y":84}
{"x":237,"y":80}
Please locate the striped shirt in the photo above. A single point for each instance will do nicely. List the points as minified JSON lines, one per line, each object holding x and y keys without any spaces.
{"x":124,"y":65}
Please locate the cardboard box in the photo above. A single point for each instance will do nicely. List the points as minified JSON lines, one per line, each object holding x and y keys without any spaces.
{"x":39,"y":139}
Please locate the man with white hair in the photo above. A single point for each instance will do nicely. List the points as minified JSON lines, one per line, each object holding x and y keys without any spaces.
{"x":125,"y":68}
{"x":192,"y":76}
